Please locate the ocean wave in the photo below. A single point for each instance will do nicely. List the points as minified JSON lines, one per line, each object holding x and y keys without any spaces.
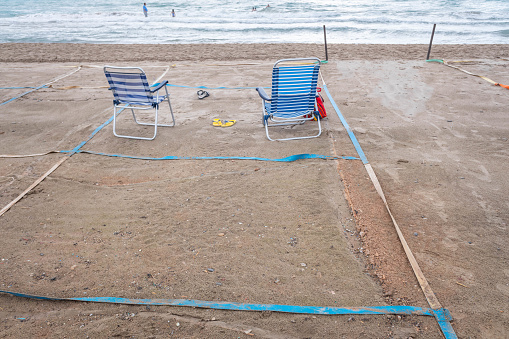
{"x":362,"y":21}
{"x":504,"y":33}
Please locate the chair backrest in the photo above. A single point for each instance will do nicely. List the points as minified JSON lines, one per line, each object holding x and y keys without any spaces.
{"x":129,"y":85}
{"x":294,"y":87}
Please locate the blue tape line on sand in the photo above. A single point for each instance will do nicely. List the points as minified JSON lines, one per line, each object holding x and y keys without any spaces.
{"x":347,"y":127}
{"x":81,"y":144}
{"x":19,"y":96}
{"x":172,"y":157}
{"x":219,"y":305}
{"x":444,"y":319}
{"x":442,"y":315}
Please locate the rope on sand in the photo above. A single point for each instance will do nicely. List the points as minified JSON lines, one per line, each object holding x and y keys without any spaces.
{"x":156,"y":83}
{"x":42,"y":86}
{"x":188,"y":65}
{"x":445,"y":326}
{"x":97,"y":87}
{"x":21,"y":87}
{"x":467,"y":72}
{"x":162,"y":75}
{"x":26,"y":155}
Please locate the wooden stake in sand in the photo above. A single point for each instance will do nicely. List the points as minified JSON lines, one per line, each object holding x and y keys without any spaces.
{"x":431,"y":41}
{"x":325,"y":39}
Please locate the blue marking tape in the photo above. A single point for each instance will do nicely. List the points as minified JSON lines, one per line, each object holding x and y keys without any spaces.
{"x":444,"y":318}
{"x":233,"y":306}
{"x":442,"y":315}
{"x":172,"y":157}
{"x":19,"y":96}
{"x":356,"y":144}
{"x":80,"y":145}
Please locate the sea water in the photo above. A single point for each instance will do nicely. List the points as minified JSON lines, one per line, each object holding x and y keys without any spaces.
{"x":284,"y":21}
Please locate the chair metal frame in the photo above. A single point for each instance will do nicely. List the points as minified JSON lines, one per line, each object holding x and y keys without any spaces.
{"x":293,"y":97}
{"x":139,"y":97}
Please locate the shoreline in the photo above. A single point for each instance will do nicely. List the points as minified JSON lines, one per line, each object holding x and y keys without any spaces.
{"x":69,"y":52}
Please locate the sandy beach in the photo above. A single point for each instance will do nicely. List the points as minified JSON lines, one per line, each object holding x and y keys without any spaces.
{"x":310,"y":232}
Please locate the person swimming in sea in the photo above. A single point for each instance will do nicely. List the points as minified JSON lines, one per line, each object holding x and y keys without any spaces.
{"x":145,"y":10}
{"x":173,"y":13}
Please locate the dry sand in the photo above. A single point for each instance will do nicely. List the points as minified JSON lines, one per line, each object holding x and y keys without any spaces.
{"x":310,"y":232}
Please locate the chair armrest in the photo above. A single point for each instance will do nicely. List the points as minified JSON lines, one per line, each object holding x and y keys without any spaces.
{"x":159,"y":86}
{"x":262,"y":94}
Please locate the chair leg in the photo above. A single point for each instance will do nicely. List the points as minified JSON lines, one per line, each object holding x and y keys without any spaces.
{"x":263,"y":113}
{"x":155,"y":124}
{"x":171,"y":111}
{"x":160,"y":125}
{"x":134,"y":116}
{"x":169,"y":104}
{"x":296,"y":138}
{"x":266,"y":124}
{"x":115,"y":121}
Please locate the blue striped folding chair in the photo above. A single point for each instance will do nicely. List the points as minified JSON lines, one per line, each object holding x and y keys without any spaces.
{"x":131,"y":91}
{"x":293,"y":95}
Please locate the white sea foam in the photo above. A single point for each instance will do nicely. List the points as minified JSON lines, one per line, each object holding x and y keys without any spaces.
{"x":213,"y":21}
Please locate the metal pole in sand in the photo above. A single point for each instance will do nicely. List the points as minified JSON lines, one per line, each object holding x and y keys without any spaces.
{"x":325,"y":38}
{"x":431,"y":41}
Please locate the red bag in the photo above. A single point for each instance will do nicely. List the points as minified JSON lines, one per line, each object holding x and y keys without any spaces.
{"x":319,"y":104}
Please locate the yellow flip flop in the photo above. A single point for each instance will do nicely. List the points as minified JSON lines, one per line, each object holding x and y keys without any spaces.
{"x":228,"y":123}
{"x":223,"y":123}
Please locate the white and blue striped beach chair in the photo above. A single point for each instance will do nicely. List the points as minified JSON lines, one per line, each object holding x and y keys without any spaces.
{"x":293,"y":95}
{"x":131,"y":91}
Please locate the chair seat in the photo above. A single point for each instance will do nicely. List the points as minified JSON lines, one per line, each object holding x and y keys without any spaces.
{"x":285,"y":114}
{"x":134,"y":101}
